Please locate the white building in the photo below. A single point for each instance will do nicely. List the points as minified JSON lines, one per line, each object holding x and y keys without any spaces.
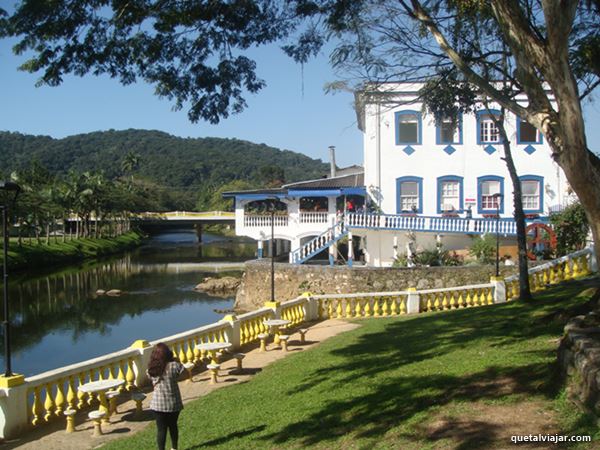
{"x":443,"y":182}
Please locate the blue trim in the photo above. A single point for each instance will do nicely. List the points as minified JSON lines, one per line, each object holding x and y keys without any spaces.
{"x":408,"y":150}
{"x":354,"y":191}
{"x":486,"y":112}
{"x":314,"y":192}
{"x":540,"y":180}
{"x":440,"y":180}
{"x":438,"y":133}
{"x":407,"y":112}
{"x":449,"y":149}
{"x":519,"y":141}
{"x":480,"y":180}
{"x":489,"y":149}
{"x":399,"y":182}
{"x":257,"y":196}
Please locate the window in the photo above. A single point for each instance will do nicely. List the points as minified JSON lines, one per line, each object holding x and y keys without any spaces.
{"x":487,"y":131}
{"x":527,"y":133}
{"x":450,"y":194}
{"x":531,"y":189}
{"x":449,"y":132}
{"x":408,"y":127}
{"x":490,"y":192}
{"x":409,"y":194}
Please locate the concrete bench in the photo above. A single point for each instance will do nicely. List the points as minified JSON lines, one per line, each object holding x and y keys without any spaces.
{"x":214,"y":372}
{"x":189,"y":366}
{"x":263,"y":341}
{"x":283,"y":340}
{"x":302,"y":332}
{"x":239,"y":357}
{"x":96,"y":417}
{"x":138,"y":398}
{"x":70,"y":415}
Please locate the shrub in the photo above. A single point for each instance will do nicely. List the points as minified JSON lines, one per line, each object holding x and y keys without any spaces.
{"x":571,"y":228}
{"x":430,"y":257}
{"x":484,"y":249}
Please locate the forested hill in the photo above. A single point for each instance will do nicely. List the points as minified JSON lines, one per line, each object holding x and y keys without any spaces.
{"x":164,"y":159}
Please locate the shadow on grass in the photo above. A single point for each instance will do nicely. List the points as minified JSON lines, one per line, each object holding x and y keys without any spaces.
{"x":399,"y":396}
{"x":227,"y":438}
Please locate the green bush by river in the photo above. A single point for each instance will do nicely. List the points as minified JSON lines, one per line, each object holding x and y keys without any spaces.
{"x":37,"y":255}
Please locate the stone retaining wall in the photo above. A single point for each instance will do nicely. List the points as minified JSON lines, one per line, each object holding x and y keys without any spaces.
{"x":293,"y":280}
{"x":579,"y":359}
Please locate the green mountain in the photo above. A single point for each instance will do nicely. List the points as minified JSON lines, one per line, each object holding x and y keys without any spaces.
{"x":164,"y":159}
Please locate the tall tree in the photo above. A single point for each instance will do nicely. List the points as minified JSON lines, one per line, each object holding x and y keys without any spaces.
{"x":190,"y":50}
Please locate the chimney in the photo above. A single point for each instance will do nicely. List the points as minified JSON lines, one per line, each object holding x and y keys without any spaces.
{"x":332,"y":160}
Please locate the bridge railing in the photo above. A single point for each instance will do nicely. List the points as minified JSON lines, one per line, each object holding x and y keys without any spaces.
{"x":43,"y":398}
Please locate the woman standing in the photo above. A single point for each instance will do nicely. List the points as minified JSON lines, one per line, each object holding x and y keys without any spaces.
{"x":164,"y":370}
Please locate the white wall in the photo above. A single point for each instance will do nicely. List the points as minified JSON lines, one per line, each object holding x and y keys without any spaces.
{"x":429,"y":161}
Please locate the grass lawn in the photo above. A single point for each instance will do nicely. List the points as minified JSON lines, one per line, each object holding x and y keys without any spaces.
{"x":462,"y":379}
{"x":33,"y":254}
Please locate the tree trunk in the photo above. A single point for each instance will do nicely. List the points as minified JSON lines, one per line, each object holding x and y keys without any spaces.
{"x":524,"y":288}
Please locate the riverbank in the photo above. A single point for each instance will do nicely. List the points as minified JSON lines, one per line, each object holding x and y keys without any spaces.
{"x":40,"y":255}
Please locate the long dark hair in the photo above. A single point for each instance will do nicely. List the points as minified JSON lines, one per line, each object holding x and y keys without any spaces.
{"x":160,"y":357}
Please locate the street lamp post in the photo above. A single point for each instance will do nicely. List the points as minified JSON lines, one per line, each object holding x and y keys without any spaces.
{"x":273,"y":251}
{"x":14,"y":187}
{"x":497,"y":199}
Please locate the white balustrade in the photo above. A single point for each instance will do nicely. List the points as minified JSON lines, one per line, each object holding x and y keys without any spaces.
{"x":313,"y":217}
{"x":258,"y":221}
{"x":430,"y":223}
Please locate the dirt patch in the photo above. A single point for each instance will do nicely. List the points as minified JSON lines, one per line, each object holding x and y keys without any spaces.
{"x":485,"y":426}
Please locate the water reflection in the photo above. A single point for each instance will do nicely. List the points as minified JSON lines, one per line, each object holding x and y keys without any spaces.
{"x":59,"y":319}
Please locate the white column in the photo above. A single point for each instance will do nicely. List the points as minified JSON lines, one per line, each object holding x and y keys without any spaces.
{"x":499,"y":289}
{"x":233,"y":333}
{"x":350,"y":249}
{"x":13,"y":411}
{"x":395,"y":248}
{"x":259,"y":252}
{"x":140,"y":362}
{"x":412,"y":303}
{"x":312,"y":307}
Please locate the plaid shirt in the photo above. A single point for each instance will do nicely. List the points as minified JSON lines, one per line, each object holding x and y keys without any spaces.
{"x":167,"y":397}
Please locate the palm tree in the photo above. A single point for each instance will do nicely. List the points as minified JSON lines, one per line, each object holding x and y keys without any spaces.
{"x":130,"y":163}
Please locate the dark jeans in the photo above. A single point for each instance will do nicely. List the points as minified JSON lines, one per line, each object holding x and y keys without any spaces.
{"x":166,"y":420}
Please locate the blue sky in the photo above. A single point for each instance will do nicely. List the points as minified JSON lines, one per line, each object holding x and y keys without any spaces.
{"x":292,"y":112}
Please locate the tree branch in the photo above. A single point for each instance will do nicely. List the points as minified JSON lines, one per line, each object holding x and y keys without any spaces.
{"x":419,"y":13}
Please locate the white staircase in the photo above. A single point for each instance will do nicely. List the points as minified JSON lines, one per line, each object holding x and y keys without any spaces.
{"x":319,"y":243}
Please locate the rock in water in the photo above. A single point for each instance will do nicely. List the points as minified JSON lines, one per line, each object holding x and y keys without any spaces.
{"x":114,"y":292}
{"x":100,"y":292}
{"x":222,"y":287}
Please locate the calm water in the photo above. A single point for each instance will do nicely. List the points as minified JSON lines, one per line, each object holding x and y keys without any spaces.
{"x":57,"y":318}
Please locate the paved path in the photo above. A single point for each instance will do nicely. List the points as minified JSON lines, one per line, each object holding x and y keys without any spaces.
{"x":53,"y":436}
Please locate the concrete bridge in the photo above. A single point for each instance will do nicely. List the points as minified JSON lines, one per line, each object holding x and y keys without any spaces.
{"x":186,"y":217}
{"x":154,"y":220}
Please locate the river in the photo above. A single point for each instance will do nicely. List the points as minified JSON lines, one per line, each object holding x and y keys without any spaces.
{"x":58,"y":319}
